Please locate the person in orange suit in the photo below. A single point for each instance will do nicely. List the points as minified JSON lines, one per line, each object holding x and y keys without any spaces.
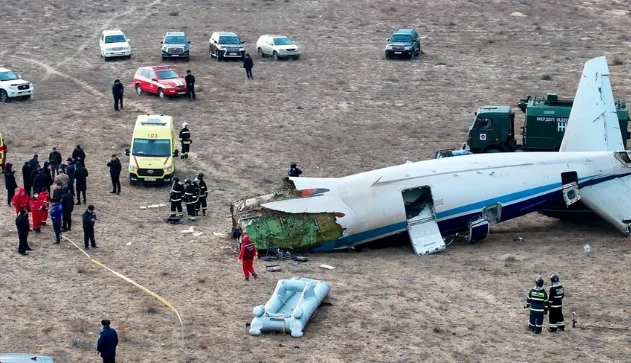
{"x":37,"y":208}
{"x":21,"y":200}
{"x":247,"y":254}
{"x":45,"y":199}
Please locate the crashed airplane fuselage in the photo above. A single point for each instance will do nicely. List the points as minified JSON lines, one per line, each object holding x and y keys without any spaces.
{"x":437,"y":197}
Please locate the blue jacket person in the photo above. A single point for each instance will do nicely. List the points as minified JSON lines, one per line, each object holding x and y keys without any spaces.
{"x":108,"y":340}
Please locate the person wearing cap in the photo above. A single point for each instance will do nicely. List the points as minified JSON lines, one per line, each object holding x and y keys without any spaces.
{"x":190,"y":85}
{"x":185,"y":139}
{"x":108,"y":340}
{"x":89,"y":219}
{"x":294,"y":171}
{"x":537,"y":301}
{"x":203,"y":194}
{"x":117,"y":93}
{"x":190,"y":198}
{"x":54,"y":160}
{"x":246,"y":256}
{"x":115,"y":172}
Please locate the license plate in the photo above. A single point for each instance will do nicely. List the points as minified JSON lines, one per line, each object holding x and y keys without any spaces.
{"x":181,"y":93}
{"x":397,"y":52}
{"x":175,"y":55}
{"x":150,"y":179}
{"x":233,"y":53}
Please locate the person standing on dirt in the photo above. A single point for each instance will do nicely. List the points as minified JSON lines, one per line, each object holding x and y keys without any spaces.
{"x":185,"y":139}
{"x":175,"y":197}
{"x":115,"y":172}
{"x":62,"y":178}
{"x":190,"y":85}
{"x":21,"y":222}
{"x":537,"y":300}
{"x":89,"y":219}
{"x":555,"y":305}
{"x":21,"y":200}
{"x":246,"y":255}
{"x":78,"y":154}
{"x":27,"y":179}
{"x":190,"y":197}
{"x":248,"y":64}
{"x":54,"y":159}
{"x":56,"y":216}
{"x":40,"y":181}
{"x":203,"y":193}
{"x":36,"y":212}
{"x":34,"y":162}
{"x":108,"y":340}
{"x":81,"y":177}
{"x":70,"y":169}
{"x":117,"y":92}
{"x":294,"y":171}
{"x":67,"y":206}
{"x":9,"y":182}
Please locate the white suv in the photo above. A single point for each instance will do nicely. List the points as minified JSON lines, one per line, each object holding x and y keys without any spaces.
{"x":278,"y":46}
{"x":12,"y":85}
{"x":114,"y":43}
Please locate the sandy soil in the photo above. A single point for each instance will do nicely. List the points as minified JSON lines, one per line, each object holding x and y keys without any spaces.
{"x":341,"y":109}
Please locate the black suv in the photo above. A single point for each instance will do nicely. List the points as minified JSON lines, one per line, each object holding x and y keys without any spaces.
{"x":403,"y":42}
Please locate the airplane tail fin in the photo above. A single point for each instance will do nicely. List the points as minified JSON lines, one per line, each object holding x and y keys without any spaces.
{"x":593,"y":123}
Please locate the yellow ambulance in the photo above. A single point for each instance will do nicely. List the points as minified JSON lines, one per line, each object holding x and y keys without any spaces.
{"x":152,"y":154}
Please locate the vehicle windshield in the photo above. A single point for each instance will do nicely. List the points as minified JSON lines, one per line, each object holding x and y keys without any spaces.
{"x":401,"y":38}
{"x":8,"y":76}
{"x":169,"y":74}
{"x":282,"y":41}
{"x":152,"y":147}
{"x":229,"y":40}
{"x":115,"y":39}
{"x":175,"y":40}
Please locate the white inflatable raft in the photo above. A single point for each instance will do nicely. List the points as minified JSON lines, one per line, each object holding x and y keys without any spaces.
{"x":291,"y":306}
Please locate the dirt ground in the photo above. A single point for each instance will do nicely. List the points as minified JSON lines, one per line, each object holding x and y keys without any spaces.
{"x":341,"y":109}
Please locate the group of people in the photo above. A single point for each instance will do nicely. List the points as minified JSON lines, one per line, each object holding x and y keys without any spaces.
{"x":540,"y":302}
{"x":35,"y":200}
{"x":193,"y":194}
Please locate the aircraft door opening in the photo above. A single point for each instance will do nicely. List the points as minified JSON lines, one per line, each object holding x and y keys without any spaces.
{"x":569,"y":180}
{"x":421,"y":218}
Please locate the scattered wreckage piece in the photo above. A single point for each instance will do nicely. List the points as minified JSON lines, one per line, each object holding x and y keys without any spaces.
{"x":292,"y":304}
{"x":152,"y":206}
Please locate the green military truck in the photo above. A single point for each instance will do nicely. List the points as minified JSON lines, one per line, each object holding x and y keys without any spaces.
{"x":493,"y":128}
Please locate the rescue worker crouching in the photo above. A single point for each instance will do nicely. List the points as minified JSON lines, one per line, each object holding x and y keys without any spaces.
{"x":555,"y":305}
{"x":190,"y":198}
{"x":177,"y":192}
{"x":537,"y":300}
{"x":203,"y":194}
{"x":185,"y":139}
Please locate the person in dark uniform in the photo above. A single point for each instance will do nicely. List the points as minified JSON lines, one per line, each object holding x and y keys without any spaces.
{"x":27,"y":179}
{"x":185,"y":139}
{"x":81,"y":178}
{"x":115,"y":173}
{"x":108,"y":340}
{"x":54,"y":159}
{"x":56,"y":216}
{"x":190,"y":196}
{"x":34,"y":162}
{"x":89,"y":219}
{"x":555,"y":305}
{"x":248,"y":64}
{"x":40,"y":181}
{"x":537,"y":300}
{"x":21,"y":222}
{"x":203,"y":194}
{"x":9,"y":182}
{"x":190,"y":85}
{"x":117,"y":92}
{"x":67,"y":205}
{"x":78,"y":154}
{"x":293,"y":170}
{"x":70,"y":169}
{"x":177,"y":192}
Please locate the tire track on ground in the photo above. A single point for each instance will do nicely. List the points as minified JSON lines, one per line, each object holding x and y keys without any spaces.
{"x":53,"y":71}
{"x":106,"y":25}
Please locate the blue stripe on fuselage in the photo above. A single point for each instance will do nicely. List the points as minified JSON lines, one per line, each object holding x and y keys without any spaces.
{"x":455,"y":220}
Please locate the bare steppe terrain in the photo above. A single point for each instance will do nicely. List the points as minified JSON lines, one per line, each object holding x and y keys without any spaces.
{"x":341,"y":109}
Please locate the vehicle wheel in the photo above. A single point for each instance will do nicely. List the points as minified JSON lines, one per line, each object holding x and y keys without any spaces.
{"x":138,"y":90}
{"x":412,"y":54}
{"x":387,"y":56}
{"x":4,"y":97}
{"x":217,"y":55}
{"x":261,"y":54}
{"x":275,"y":55}
{"x":188,"y":59}
{"x":297,"y":57}
{"x":161,"y":93}
{"x":131,"y":182}
{"x":27,"y":97}
{"x":210,"y":51}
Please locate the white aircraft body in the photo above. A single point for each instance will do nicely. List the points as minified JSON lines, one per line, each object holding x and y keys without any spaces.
{"x":436,"y":197}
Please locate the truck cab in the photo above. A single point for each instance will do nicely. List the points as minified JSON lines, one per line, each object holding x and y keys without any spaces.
{"x":152,"y":154}
{"x":492,"y":130}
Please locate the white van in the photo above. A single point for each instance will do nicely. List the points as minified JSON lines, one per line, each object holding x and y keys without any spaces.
{"x":24,"y":358}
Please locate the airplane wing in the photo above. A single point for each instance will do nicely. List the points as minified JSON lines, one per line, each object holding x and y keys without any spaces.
{"x":593,"y":123}
{"x":611,"y":200}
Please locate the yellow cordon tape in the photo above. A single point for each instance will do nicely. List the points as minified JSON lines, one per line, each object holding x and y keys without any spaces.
{"x":160,"y":298}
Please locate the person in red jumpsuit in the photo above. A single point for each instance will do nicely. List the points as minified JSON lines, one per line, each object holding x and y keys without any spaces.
{"x":247,"y":253}
{"x":45,"y":199}
{"x":37,"y":208}
{"x":21,"y":200}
